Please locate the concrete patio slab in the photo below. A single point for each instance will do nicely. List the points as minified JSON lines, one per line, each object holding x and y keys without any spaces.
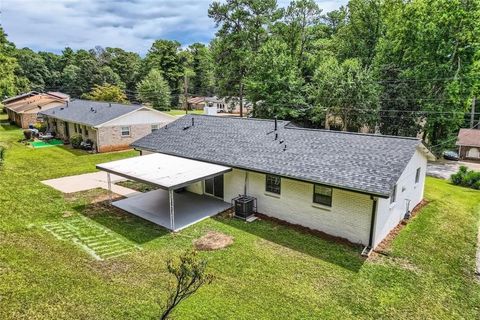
{"x":88,"y":181}
{"x":190,"y":207}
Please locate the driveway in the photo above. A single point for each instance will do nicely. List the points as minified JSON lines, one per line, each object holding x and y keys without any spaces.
{"x":444,"y":168}
{"x":88,"y":181}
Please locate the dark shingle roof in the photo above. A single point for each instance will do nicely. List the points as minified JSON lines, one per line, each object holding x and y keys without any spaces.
{"x":362,"y":162}
{"x":91,"y":113}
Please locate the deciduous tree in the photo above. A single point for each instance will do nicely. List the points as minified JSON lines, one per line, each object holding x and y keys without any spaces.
{"x":106,"y":92}
{"x":154,"y":89}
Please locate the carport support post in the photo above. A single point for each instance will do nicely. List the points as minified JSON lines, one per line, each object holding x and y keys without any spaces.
{"x":109,"y":182}
{"x":172,"y":210}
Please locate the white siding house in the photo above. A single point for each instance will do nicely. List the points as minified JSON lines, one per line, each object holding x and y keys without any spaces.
{"x":339,"y":183}
{"x":390,"y":212}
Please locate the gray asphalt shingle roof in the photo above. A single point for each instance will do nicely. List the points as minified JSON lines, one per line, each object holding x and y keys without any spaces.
{"x":362,"y":162}
{"x":92,"y":113}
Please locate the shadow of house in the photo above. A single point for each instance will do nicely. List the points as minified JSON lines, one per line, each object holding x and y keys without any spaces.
{"x":131,"y":227}
{"x":338,"y":253}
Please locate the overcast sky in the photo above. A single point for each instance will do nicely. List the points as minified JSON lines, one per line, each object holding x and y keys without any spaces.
{"x":129,"y":24}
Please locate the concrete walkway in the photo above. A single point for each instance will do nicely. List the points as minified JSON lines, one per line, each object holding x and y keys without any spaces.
{"x":88,"y":181}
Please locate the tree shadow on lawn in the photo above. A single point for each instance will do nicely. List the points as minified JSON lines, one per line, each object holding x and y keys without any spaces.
{"x":8,"y":127}
{"x":129,"y":226}
{"x":72,"y":151}
{"x":335,"y":252}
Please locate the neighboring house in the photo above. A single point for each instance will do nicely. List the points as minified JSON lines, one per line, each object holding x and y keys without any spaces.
{"x":110,"y":126}
{"x":20,"y":97}
{"x":468,"y":142}
{"x":230,"y":105}
{"x":23,"y":109}
{"x":349,"y":185}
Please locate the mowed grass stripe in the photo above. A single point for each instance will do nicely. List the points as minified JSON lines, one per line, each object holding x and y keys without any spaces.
{"x":96,"y":240}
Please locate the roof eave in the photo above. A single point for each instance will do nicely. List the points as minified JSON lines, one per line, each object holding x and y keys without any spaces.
{"x":366,"y":192}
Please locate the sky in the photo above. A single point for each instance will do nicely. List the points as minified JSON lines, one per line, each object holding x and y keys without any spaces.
{"x":51,"y":25}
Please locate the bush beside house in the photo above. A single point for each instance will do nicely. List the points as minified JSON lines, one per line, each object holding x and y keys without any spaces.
{"x":466,"y":178}
{"x":76,"y":141}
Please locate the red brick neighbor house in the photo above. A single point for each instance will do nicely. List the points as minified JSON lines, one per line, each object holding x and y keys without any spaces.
{"x":23,"y":109}
{"x":468,"y":143}
{"x":108,"y":126}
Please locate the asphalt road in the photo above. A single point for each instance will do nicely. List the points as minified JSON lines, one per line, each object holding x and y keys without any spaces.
{"x":444,"y":168}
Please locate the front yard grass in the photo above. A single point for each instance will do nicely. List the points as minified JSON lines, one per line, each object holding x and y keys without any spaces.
{"x":269,"y":272}
{"x":180,"y":112}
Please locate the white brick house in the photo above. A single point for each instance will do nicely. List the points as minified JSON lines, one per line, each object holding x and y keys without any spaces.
{"x":349,"y":185}
{"x":109,"y":126}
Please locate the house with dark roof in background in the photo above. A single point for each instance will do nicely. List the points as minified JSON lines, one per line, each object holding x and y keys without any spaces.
{"x":468,"y":142}
{"x":350,"y":185}
{"x":23,"y":109}
{"x":109,"y":126}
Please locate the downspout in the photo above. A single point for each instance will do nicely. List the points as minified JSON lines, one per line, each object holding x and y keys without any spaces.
{"x":98,"y":140}
{"x":245,"y":184}
{"x":368,"y":249}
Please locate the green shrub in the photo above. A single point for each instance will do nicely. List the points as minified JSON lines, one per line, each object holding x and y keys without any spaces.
{"x":41,"y":127}
{"x":466,"y":178}
{"x":27,"y":134}
{"x":76,"y":140}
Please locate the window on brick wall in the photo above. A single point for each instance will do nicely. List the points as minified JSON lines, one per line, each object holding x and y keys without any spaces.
{"x":86,"y":131}
{"x":393,"y":196}
{"x":125,"y":131}
{"x":273,"y":183}
{"x":417,"y":176}
{"x":322,"y":195}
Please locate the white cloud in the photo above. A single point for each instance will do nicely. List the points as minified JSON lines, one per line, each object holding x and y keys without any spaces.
{"x":130,"y":24}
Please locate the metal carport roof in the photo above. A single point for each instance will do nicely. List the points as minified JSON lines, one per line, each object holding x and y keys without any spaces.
{"x":165,"y":171}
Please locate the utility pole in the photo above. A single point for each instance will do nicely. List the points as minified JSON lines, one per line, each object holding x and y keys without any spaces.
{"x":185,"y":92}
{"x":472,"y":115}
{"x":241,"y":99}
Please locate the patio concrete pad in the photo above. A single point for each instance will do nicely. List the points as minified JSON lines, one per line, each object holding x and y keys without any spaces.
{"x":190,"y":207}
{"x":88,"y":181}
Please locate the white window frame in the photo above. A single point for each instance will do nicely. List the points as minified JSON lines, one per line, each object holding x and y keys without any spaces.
{"x":321,"y":203}
{"x":122,"y":131}
{"x":417,"y":175}
{"x":393,"y":196}
{"x":271,"y":178}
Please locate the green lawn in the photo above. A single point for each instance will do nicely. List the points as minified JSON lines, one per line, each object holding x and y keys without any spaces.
{"x":180,"y":112}
{"x":270,"y":272}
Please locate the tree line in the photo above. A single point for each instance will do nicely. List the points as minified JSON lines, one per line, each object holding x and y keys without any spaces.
{"x":390,"y":66}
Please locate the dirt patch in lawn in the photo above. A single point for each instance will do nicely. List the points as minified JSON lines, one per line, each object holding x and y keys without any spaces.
{"x":213,"y":241}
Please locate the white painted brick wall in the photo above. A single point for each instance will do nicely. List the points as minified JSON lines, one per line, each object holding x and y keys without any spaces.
{"x":349,"y":216}
{"x":390,"y":215}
